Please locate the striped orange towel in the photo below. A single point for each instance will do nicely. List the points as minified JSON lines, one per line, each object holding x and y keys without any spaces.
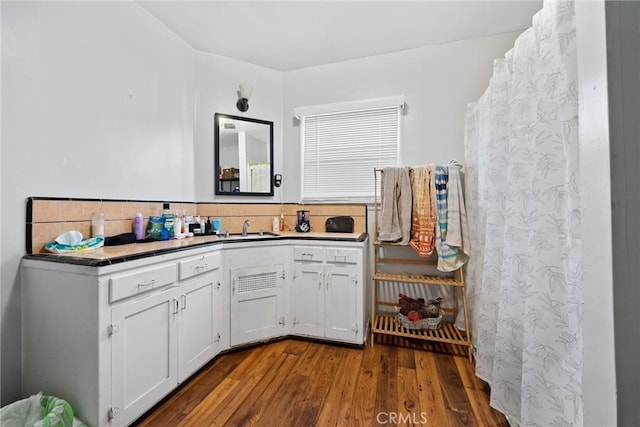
{"x":423,"y":221}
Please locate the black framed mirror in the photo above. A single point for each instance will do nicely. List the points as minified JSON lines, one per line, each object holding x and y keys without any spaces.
{"x":243,"y":156}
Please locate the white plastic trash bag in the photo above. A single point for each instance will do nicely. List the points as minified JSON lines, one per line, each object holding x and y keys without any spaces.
{"x":39,"y":411}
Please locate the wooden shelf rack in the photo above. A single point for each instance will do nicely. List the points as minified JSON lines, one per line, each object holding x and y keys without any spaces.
{"x":386,"y":323}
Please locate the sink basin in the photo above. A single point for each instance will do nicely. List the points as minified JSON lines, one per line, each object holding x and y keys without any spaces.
{"x":249,"y":236}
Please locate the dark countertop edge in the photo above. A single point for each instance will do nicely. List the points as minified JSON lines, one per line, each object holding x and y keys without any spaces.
{"x":87,"y":262}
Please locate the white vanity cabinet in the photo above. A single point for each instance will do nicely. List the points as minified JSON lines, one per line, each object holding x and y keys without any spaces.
{"x":258,"y":304}
{"x":114,"y":340}
{"x":328,"y":292}
{"x":144,"y":354}
{"x":203,"y":313}
{"x":160,"y":340}
{"x":308,"y":291}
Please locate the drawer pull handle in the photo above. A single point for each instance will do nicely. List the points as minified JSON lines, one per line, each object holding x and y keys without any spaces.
{"x":147,"y":284}
{"x":339,"y":258}
{"x":202,"y":266}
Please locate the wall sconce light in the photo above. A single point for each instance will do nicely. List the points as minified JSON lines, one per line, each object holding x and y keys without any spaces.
{"x":243,"y":97}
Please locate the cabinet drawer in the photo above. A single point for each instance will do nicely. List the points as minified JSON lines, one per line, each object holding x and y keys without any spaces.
{"x":198,"y":265}
{"x":130,"y":284}
{"x":308,"y":253}
{"x":343,"y":256}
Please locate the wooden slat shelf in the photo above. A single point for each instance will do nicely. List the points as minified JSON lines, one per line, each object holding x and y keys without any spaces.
{"x":416,"y":278}
{"x":447,"y":333}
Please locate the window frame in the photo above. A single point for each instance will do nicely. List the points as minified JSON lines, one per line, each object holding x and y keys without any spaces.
{"x":359,"y":106}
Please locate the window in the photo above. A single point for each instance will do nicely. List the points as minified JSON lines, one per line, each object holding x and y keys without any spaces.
{"x":343,"y":143}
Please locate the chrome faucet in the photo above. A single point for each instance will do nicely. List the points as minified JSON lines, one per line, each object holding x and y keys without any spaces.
{"x":246,"y":225}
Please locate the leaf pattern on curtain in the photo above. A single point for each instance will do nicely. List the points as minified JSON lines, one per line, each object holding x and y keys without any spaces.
{"x":525,"y":275}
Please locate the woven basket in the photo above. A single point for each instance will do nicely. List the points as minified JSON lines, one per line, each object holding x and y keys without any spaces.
{"x":426,"y":323}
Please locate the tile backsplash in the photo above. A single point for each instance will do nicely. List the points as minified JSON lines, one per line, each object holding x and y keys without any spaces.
{"x":47,"y":218}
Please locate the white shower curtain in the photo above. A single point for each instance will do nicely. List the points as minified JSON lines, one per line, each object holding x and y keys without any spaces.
{"x":260,"y":177}
{"x":524,"y":274}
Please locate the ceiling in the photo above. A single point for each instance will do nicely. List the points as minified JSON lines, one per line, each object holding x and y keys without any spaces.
{"x":287,"y":35}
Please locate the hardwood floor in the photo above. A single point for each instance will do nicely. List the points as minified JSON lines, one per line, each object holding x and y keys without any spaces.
{"x":295,"y":382}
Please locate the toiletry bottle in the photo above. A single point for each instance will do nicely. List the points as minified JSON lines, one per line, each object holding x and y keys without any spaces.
{"x":282,"y":221}
{"x":186,"y":220}
{"x":177,"y":226}
{"x":195,"y":227}
{"x":276,"y":224}
{"x":200,"y":221}
{"x":97,"y":225}
{"x":138,"y":226}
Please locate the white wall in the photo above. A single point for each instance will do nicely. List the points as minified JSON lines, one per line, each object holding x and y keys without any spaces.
{"x":97,"y":101}
{"x":599,"y":375}
{"x":217,"y":84}
{"x":437,"y":81}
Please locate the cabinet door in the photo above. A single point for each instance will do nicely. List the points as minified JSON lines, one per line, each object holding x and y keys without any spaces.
{"x":341,"y":303}
{"x":143,"y":354}
{"x":257,"y":310}
{"x":308,"y":300}
{"x":198,"y":324}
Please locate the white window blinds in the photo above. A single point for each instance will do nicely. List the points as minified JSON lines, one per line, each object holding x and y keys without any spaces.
{"x":340,"y":151}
